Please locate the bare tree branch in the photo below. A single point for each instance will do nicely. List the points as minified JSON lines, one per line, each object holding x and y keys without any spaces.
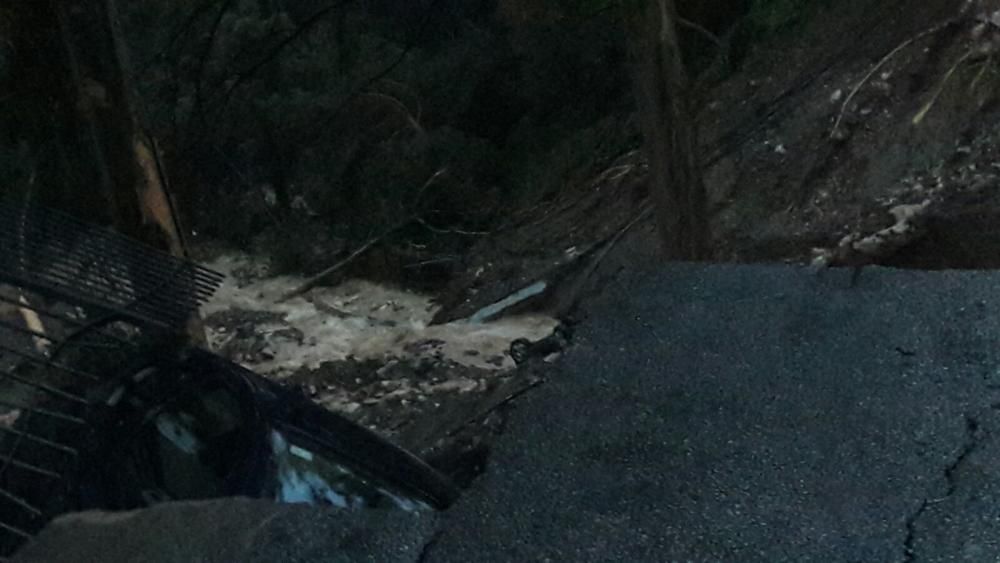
{"x":203,"y":60}
{"x":243,"y":76}
{"x":701,"y":30}
{"x":864,"y":80}
{"x":360,"y":90}
{"x":183,"y":28}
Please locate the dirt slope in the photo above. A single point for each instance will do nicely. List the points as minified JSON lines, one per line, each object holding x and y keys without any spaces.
{"x":780,"y":182}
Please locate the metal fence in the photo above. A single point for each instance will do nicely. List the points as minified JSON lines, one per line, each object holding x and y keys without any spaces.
{"x":73,"y":300}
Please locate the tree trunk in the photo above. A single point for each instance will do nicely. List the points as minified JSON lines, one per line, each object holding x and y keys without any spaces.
{"x":662,"y":91}
{"x":127,"y":165}
{"x":111,"y":170}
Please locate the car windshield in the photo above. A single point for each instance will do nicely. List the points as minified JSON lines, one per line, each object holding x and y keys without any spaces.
{"x":306,"y":474}
{"x":199,"y":443}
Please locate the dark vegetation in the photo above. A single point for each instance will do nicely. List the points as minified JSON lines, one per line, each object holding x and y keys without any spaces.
{"x":425,"y":132}
{"x":435,"y":118}
{"x":305,"y":129}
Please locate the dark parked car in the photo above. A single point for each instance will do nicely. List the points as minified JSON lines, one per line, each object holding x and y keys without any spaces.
{"x":199,"y":426}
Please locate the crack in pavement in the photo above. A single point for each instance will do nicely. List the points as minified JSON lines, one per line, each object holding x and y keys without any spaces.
{"x":972,"y":437}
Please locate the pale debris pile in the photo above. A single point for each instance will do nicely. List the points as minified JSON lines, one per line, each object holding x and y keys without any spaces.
{"x":356,"y":320}
{"x":856,"y":249}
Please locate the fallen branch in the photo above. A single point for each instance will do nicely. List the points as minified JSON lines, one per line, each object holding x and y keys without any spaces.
{"x":315,"y":280}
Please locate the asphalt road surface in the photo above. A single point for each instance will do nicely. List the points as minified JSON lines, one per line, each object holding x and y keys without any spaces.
{"x":746,"y":413}
{"x":743,"y":414}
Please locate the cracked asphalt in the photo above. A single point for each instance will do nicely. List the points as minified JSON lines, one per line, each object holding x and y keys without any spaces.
{"x":755,"y":413}
{"x":735,"y":414}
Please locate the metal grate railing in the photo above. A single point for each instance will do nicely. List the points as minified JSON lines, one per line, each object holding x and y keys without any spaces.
{"x":70,"y":292}
{"x":52,"y":252}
